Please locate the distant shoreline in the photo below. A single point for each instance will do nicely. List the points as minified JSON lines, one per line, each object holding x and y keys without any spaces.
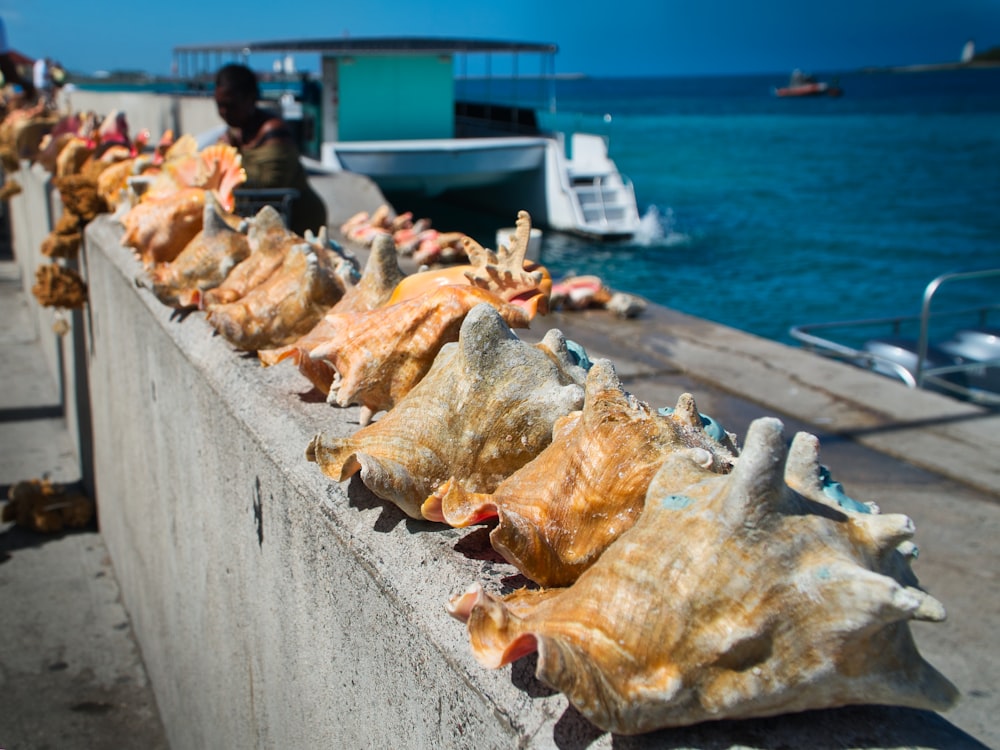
{"x":920,"y":68}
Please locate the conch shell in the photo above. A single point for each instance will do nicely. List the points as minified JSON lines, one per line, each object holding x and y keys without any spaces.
{"x":381,"y":354}
{"x":561,"y":511}
{"x":269,"y":240}
{"x":485,"y":408}
{"x":218,"y":168}
{"x":285,"y":306}
{"x":505,"y":272}
{"x":731,"y":597}
{"x":381,"y":275}
{"x":203,"y":264}
{"x":159,"y":229}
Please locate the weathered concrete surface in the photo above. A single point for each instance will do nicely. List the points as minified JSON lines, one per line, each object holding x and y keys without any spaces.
{"x":71,"y":675}
{"x":276,"y":608}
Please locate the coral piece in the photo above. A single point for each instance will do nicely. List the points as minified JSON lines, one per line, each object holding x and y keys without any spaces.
{"x":485,"y":408}
{"x":505,"y":273}
{"x":731,"y":597}
{"x":287,"y":304}
{"x":381,"y":275}
{"x":562,"y":510}
{"x":269,"y":241}
{"x":381,"y":354}
{"x":203,"y":264}
{"x":40,"y":505}
{"x":56,"y":286}
{"x":159,"y":229}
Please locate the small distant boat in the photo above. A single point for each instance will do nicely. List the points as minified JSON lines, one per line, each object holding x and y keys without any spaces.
{"x":803,"y":84}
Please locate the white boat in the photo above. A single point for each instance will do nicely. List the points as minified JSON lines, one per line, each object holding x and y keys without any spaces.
{"x":390,"y":108}
{"x":952,"y":351}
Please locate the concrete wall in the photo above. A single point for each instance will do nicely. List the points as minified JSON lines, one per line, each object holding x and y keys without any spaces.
{"x":274,"y":608}
{"x":33,"y":213}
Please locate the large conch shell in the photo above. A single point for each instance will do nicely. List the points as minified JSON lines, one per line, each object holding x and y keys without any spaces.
{"x":561,"y":511}
{"x":731,"y":597}
{"x":218,"y":168}
{"x":203,"y":264}
{"x":381,"y":275}
{"x":505,"y":272}
{"x":159,"y":229}
{"x":381,"y":354}
{"x":485,"y":408}
{"x":288,"y":304}
{"x":269,"y":240}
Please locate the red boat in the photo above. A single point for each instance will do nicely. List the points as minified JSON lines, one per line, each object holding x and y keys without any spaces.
{"x":802,"y":84}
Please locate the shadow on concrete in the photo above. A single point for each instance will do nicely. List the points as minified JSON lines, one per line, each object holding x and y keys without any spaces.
{"x":30,"y":413}
{"x":17,"y":538}
{"x":913,"y":728}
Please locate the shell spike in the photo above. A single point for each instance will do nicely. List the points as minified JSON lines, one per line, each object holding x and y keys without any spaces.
{"x":887,"y":531}
{"x":802,"y":469}
{"x":686,"y":411}
{"x":758,"y":482}
{"x":482,"y":327}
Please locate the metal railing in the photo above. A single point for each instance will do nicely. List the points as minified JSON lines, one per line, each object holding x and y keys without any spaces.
{"x":923,"y":375}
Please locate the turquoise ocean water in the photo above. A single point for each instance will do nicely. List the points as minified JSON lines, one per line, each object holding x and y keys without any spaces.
{"x":761,"y":213}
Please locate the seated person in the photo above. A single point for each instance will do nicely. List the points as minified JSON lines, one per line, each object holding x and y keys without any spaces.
{"x":270,"y":156}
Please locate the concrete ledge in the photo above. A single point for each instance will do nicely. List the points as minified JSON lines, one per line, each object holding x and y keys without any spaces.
{"x":277,"y":609}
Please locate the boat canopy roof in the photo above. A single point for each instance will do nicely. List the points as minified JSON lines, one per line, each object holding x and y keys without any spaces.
{"x":195,"y":59}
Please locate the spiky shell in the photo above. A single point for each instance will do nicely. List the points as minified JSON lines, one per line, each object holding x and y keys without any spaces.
{"x":382,"y":354}
{"x":485,"y":408}
{"x":381,"y":275}
{"x":731,"y":597}
{"x":269,"y":241}
{"x":561,"y":511}
{"x":203,"y":264}
{"x":285,"y":306}
{"x":159,"y":229}
{"x":505,"y":272}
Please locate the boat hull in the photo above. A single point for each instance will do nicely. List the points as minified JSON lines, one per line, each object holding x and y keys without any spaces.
{"x":432,"y":167}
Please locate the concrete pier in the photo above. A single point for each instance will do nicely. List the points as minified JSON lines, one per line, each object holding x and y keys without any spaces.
{"x":274,"y":608}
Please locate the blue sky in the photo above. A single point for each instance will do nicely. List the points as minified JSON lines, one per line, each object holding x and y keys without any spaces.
{"x":627,"y":37}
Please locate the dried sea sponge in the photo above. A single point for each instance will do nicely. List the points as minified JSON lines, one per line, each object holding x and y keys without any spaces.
{"x":57,"y":245}
{"x":79,"y":196}
{"x":41,"y":505}
{"x":10,"y":189}
{"x":56,"y":286}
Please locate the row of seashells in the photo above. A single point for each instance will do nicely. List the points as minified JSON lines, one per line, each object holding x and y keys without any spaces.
{"x":675,"y":577}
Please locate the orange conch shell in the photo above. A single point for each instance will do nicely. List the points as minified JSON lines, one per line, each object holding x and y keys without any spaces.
{"x":731,"y":597}
{"x":562,"y":510}
{"x":381,"y":354}
{"x":381,"y":275}
{"x":485,"y":408}
{"x":505,"y":272}
{"x":159,"y":229}
{"x":218,"y":168}
{"x":203,"y":264}
{"x":269,"y":240}
{"x":285,"y":306}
